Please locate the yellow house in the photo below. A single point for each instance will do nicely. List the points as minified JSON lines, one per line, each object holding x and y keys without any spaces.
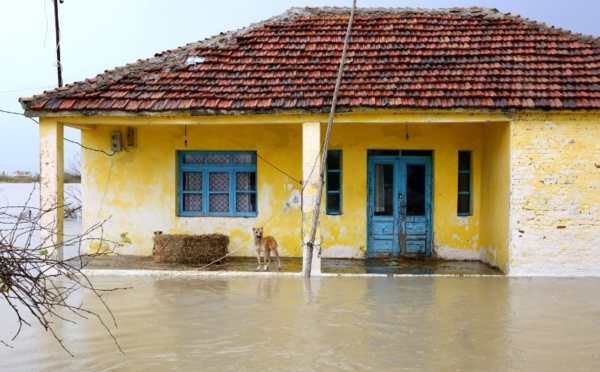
{"x":463,"y":134}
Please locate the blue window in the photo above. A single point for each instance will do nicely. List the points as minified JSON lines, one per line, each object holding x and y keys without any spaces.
{"x":464,"y":183}
{"x":334,"y":182}
{"x":217,"y":183}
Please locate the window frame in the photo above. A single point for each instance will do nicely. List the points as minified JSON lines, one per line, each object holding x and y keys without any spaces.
{"x":206,"y":169}
{"x":329,"y":191}
{"x":468,"y":171}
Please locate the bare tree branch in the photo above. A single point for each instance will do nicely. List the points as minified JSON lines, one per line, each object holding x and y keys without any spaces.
{"x":73,"y":203}
{"x":38,"y":286}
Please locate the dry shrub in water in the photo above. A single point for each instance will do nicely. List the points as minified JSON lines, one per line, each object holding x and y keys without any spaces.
{"x":37,"y":285}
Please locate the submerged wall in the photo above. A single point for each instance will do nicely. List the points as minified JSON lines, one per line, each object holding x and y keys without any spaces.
{"x":555,"y":195}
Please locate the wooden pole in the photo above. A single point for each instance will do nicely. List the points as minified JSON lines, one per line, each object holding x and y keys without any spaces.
{"x":57,"y":31}
{"x":313,"y":231}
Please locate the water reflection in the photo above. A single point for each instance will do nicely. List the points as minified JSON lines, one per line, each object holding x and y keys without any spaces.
{"x":352,"y":323}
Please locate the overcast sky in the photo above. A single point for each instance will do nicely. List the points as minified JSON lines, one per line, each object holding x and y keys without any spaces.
{"x":100,"y":35}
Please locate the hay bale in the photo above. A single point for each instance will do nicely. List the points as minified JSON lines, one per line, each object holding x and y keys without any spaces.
{"x":190,"y":249}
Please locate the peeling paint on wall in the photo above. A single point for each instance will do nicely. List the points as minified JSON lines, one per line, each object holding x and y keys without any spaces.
{"x":448,"y":253}
{"x":141,"y":184}
{"x":535,"y":187}
{"x":555,"y":202}
{"x":137,"y":189}
{"x":340,"y":251}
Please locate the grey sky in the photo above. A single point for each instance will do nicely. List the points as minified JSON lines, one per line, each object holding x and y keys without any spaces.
{"x":99,"y":35}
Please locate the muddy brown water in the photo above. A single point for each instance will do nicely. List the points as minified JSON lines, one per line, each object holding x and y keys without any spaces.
{"x":276,"y":323}
{"x":397,"y":266}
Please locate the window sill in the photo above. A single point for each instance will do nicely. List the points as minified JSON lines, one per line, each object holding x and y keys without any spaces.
{"x":219,"y":215}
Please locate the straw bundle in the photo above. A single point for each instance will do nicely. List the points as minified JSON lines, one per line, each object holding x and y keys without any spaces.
{"x":190,"y":249}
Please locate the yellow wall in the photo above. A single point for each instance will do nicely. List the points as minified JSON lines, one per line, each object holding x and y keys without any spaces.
{"x":454,"y":237}
{"x":51,"y":186}
{"x":536,"y":182}
{"x":495,"y":195}
{"x":555,"y":194}
{"x":136,"y":189}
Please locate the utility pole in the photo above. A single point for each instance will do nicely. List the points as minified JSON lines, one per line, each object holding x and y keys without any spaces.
{"x":315,"y":222}
{"x":57,"y":31}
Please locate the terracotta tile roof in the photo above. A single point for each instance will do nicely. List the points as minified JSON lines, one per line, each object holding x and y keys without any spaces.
{"x":474,"y":58}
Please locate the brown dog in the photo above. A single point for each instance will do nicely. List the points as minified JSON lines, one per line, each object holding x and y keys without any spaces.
{"x":264,"y":245}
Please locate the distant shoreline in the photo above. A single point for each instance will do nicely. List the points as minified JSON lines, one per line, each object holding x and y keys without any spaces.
{"x":69,"y":178}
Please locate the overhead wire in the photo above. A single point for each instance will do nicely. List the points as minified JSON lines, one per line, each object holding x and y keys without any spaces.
{"x":321,"y":152}
{"x":278,"y":169}
{"x":66,"y":139}
{"x":46,"y":17}
{"x":25,"y":89}
{"x":89,"y":148}
{"x":19,"y":114}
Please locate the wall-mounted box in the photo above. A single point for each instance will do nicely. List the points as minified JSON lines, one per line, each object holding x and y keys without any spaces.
{"x":115,"y":141}
{"x":131,"y":137}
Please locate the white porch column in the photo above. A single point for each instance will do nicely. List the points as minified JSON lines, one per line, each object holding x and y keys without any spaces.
{"x":51,"y":186}
{"x":311,"y":162}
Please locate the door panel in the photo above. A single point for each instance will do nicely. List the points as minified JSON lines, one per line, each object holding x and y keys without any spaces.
{"x":383,"y":227}
{"x":415,"y":246}
{"x":416,"y":190}
{"x":415,"y":227}
{"x":399,"y":206}
{"x":383,"y":209}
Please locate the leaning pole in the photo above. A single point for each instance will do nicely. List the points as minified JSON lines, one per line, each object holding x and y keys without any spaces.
{"x":313,"y":231}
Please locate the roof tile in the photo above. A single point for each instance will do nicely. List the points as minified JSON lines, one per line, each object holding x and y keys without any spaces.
{"x":443,"y":58}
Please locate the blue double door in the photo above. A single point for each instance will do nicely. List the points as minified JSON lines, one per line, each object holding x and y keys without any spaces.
{"x":399,"y":206}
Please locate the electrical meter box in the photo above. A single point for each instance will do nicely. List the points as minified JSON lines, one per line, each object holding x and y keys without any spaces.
{"x":115,"y":141}
{"x":131,"y":137}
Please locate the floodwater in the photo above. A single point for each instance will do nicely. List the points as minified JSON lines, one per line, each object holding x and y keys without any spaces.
{"x":19,"y":195}
{"x":273,"y":323}
{"x":21,"y":199}
{"x":279,"y":323}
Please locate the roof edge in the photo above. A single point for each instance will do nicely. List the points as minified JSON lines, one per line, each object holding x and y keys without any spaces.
{"x":298,"y":111}
{"x":170,"y":58}
{"x":161,"y":59}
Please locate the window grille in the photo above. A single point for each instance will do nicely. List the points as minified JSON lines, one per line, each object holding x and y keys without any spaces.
{"x":217,"y":183}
